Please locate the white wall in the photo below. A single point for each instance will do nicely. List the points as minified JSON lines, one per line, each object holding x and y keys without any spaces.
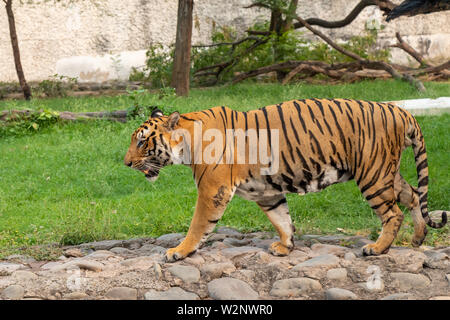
{"x":83,"y":39}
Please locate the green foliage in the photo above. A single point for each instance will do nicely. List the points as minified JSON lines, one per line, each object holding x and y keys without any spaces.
{"x":290,"y":45}
{"x":158,"y":69}
{"x":142,"y":111}
{"x":33,"y":121}
{"x":56,"y":86}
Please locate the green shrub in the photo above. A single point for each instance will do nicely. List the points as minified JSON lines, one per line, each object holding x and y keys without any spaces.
{"x":56,"y":86}
{"x":28,"y":123}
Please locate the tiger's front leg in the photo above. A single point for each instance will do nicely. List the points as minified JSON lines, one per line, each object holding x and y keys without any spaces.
{"x":209,"y":209}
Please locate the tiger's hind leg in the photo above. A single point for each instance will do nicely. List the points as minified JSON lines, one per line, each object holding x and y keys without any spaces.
{"x":409,"y":197}
{"x":277,"y":211}
{"x":381,"y":198}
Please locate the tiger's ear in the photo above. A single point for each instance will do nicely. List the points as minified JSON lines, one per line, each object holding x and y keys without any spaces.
{"x":156,"y":113}
{"x":173,"y":119}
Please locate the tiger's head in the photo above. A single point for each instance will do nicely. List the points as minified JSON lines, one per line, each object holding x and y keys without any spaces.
{"x":151,"y":144}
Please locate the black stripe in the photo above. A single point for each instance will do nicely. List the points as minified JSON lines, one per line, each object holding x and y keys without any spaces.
{"x":212,"y":112}
{"x":302,"y":159}
{"x":294,"y":130}
{"x":341,"y":133}
{"x":297,"y":106}
{"x":319,"y":149}
{"x":273,"y":184}
{"x":319,"y":104}
{"x":276,"y":205}
{"x":289,"y":183}
{"x":378,"y":192}
{"x":269,"y":134}
{"x":283,"y":125}
{"x":288,"y":168}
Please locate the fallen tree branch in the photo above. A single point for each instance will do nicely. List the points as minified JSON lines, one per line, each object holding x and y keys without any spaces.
{"x":367,"y":63}
{"x":401,"y":44}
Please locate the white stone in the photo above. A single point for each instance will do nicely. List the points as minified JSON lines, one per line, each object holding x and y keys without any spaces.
{"x":337,"y":274}
{"x":174,"y":293}
{"x":186,"y":273}
{"x":231,"y":289}
{"x":122,"y":293}
{"x":294,"y":287}
{"x":340,"y":294}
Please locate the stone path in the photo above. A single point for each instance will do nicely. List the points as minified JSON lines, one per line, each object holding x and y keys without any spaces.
{"x":230,"y":266}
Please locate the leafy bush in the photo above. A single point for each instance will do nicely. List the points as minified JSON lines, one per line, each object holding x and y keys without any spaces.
{"x":28,"y":123}
{"x":291,"y":45}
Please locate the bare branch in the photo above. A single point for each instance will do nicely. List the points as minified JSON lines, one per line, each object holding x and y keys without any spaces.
{"x":409,"y":50}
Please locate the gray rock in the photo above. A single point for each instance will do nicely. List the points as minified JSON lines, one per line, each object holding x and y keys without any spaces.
{"x":309,"y":236}
{"x":333,"y":239}
{"x":140,"y":262}
{"x":236,"y":242}
{"x":170,"y":240}
{"x":122,"y":293}
{"x":186,"y":273}
{"x":174,"y":293}
{"x":294,"y":287}
{"x":82,"y":264}
{"x":448,"y":278}
{"x":134,"y":244}
{"x":399,"y":296}
{"x":216,"y":270}
{"x":406,"y":281}
{"x":337,"y":274}
{"x":230,"y":232}
{"x":436,"y":260}
{"x":73,"y":252}
{"x":23,"y":275}
{"x":14,"y":292}
{"x":262,"y":243}
{"x":157,"y":270}
{"x":321,"y":249}
{"x":6,"y":268}
{"x":326,"y":260}
{"x":121,"y":251}
{"x":216,"y":237}
{"x":340,"y":294}
{"x":100,"y":255}
{"x":20,"y":258}
{"x":349,"y":256}
{"x":231,"y":289}
{"x":231,"y":253}
{"x":407,"y":260}
{"x":102,"y":245}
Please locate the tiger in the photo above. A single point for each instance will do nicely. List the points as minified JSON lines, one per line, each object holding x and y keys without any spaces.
{"x":320,"y":142}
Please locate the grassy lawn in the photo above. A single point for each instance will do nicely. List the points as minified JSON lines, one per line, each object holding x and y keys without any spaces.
{"x":67,"y":183}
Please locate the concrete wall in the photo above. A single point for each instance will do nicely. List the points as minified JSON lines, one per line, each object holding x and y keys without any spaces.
{"x":100,"y":40}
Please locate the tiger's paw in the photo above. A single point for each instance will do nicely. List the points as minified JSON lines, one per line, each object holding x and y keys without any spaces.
{"x":174,"y":254}
{"x":418,"y":239}
{"x":373,"y":249}
{"x":278,"y":249}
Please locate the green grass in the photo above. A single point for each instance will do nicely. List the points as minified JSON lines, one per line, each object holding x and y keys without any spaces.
{"x":67,"y":183}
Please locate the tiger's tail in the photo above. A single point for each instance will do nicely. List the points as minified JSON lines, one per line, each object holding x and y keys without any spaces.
{"x":420,"y":155}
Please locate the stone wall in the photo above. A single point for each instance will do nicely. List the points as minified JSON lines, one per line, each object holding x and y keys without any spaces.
{"x":101,"y":40}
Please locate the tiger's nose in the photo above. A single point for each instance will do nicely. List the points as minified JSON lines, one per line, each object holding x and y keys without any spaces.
{"x":128,"y":163}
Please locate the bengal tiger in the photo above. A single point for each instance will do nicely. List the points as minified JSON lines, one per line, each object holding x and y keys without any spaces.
{"x":320,"y":142}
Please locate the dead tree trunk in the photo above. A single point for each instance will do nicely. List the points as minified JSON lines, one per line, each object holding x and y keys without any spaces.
{"x":182,"y":58}
{"x":16,"y":52}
